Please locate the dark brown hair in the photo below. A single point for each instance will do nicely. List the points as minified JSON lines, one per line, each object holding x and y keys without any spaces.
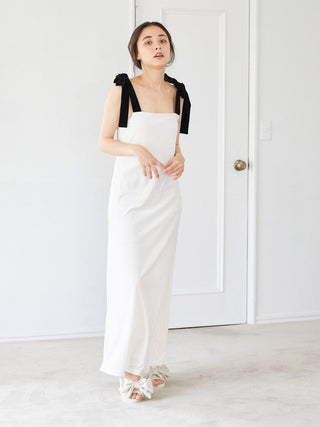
{"x":133,"y":48}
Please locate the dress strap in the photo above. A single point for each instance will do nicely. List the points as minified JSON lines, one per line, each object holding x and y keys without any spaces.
{"x":181,"y":91}
{"x":123,"y":80}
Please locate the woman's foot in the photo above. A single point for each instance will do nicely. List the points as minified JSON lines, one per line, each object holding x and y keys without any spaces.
{"x":133,"y":377}
{"x":159,"y":375}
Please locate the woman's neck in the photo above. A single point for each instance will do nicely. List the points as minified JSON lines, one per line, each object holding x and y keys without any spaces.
{"x":153,"y":79}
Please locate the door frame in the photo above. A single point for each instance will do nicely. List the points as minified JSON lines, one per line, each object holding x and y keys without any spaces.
{"x":252,"y":161}
{"x":252,"y":150}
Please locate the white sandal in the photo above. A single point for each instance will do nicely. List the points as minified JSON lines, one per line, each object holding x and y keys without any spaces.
{"x":160,"y":372}
{"x":128,"y":386}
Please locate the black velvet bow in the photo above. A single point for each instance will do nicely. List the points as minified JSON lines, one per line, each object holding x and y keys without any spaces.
{"x":186,"y":103}
{"x":122,"y":79}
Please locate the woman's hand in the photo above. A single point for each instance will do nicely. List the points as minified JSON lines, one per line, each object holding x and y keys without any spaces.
{"x":175,"y":166}
{"x":147,"y":161}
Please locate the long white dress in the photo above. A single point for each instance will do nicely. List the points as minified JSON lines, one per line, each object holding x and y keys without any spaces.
{"x":143,"y":223}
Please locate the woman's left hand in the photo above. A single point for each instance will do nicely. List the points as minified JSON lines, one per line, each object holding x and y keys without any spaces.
{"x":175,"y":166}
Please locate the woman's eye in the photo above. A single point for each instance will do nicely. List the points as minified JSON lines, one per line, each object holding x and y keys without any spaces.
{"x":149,"y":41}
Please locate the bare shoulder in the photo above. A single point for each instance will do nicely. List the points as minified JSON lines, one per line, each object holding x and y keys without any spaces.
{"x":172,"y":88}
{"x":135,"y":80}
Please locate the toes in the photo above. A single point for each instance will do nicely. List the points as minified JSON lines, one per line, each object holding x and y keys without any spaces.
{"x":136,"y":396}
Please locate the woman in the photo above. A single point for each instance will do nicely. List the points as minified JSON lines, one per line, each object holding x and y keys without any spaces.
{"x":148,"y":112}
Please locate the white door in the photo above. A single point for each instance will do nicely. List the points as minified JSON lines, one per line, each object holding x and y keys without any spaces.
{"x":211,"y":39}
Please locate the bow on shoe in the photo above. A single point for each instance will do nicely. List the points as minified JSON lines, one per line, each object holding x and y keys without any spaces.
{"x":143,"y":386}
{"x":159,"y":372}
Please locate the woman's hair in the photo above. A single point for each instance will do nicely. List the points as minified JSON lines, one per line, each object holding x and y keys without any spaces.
{"x":133,"y":48}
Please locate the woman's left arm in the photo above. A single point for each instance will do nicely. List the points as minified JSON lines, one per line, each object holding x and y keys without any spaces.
{"x":175,"y":166}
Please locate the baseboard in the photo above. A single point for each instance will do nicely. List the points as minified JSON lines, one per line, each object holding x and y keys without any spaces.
{"x":288,"y":317}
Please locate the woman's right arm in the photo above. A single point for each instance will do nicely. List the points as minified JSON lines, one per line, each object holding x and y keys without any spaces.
{"x":110,"y":121}
{"x":108,"y":144}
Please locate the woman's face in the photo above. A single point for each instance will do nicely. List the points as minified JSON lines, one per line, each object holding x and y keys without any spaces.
{"x":153,"y":40}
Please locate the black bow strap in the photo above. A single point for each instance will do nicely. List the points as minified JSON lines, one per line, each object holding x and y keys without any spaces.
{"x":122,"y":79}
{"x":181,"y":91}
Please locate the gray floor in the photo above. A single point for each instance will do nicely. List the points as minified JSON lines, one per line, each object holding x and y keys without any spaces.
{"x":228,"y":376}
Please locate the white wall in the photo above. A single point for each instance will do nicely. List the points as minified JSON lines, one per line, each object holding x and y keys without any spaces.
{"x":58,"y":62}
{"x":59,"y":59}
{"x":288,"y":264}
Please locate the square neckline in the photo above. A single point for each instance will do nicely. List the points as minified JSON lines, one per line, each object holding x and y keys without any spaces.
{"x":147,"y":112}
{"x":138,"y":103}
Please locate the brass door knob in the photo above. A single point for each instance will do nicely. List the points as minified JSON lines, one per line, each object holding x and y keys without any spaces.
{"x":239,"y":165}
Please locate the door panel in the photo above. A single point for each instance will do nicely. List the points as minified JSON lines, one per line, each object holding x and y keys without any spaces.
{"x":211,"y":40}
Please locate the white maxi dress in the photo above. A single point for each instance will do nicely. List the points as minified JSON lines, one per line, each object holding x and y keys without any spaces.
{"x":143,"y":222}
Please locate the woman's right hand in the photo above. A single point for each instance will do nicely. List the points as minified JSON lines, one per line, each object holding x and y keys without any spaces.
{"x":147,"y":161}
